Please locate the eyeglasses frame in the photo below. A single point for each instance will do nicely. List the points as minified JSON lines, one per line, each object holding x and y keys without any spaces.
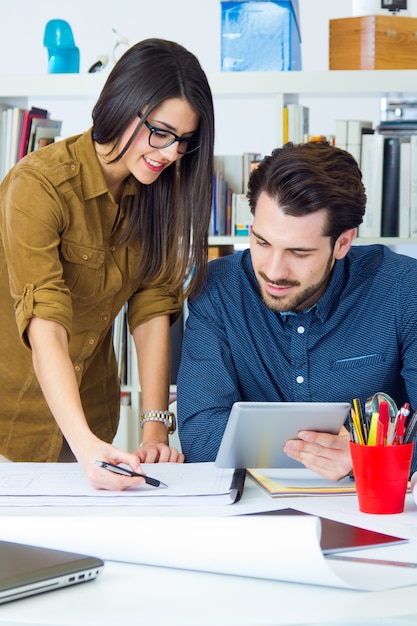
{"x":152,"y":129}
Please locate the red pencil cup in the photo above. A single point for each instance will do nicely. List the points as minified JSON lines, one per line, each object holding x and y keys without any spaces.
{"x":381,"y":476}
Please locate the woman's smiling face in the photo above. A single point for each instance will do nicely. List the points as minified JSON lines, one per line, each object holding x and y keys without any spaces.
{"x":143,"y":161}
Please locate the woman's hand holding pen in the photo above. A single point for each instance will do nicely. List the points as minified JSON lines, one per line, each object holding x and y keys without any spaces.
{"x":98,"y":477}
{"x":323,"y":453}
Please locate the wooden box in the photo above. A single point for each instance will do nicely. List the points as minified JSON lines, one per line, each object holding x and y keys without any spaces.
{"x":373,"y":42}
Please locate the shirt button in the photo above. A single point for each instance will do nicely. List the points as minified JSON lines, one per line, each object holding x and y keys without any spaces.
{"x":73,"y":167}
{"x":300,"y":330}
{"x":85,"y":257}
{"x":77,"y":368}
{"x":112,"y":248}
{"x":104,"y":318}
{"x":300,"y":379}
{"x":91,"y":342}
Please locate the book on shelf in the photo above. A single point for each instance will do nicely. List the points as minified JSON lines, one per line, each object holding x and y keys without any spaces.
{"x":387,"y":170}
{"x":341,"y":134}
{"x":13,"y":121}
{"x":296,"y":119}
{"x":390,"y":187}
{"x":356,"y":130}
{"x":284,"y":125}
{"x":372,"y":154}
{"x":218,"y":212}
{"x":404,"y":227}
{"x":243,"y":218}
{"x":27,"y":117}
{"x":349,"y":133}
{"x":230,"y":214}
{"x":43,"y":131}
{"x":413,"y":185}
{"x":3,"y":135}
{"x":250,"y":161}
{"x":231,"y":168}
{"x":23,"y":130}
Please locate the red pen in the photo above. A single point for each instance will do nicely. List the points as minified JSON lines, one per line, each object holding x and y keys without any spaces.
{"x":379,"y":441}
{"x":384,"y":420}
{"x":399,"y":438}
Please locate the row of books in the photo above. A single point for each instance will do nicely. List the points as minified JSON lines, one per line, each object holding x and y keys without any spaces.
{"x":22,"y":131}
{"x":230,"y":210}
{"x":349,"y":134}
{"x":389,"y":169}
{"x":296,"y":118}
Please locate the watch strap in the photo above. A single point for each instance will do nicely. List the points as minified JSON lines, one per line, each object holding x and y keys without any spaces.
{"x":165,"y":417}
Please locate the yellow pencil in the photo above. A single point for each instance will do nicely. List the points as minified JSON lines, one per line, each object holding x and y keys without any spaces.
{"x":357,"y":427}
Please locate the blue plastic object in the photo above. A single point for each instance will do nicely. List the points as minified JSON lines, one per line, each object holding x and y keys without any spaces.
{"x":63,"y":54}
{"x":260,"y":36}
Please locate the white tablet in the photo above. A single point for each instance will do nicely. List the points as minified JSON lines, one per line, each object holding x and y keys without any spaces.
{"x":256,"y":432}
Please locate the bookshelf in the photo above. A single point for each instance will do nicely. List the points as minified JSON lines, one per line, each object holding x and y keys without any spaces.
{"x":248,"y":105}
{"x":248,"y":109}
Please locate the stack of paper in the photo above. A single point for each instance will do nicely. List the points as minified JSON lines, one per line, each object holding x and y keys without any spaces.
{"x":299,"y":482}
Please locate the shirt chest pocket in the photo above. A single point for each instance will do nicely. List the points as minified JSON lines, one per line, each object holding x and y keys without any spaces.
{"x":83,"y":269}
{"x":359,"y":362}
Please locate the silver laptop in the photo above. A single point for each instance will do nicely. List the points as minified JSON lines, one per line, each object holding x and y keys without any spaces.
{"x":28,"y":570}
{"x":256,"y":432}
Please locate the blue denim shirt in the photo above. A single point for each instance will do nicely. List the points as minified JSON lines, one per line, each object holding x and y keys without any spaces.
{"x":358,"y":339}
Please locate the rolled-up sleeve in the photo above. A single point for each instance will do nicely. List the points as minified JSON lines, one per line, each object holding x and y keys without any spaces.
{"x":152,"y":302}
{"x":31,"y":226}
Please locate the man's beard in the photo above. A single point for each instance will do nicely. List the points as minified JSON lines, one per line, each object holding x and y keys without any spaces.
{"x":299,"y":301}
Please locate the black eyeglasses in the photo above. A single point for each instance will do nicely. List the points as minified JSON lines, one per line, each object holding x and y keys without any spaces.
{"x":160,"y":138}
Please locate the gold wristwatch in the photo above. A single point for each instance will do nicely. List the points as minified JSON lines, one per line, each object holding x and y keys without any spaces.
{"x":166,"y":417}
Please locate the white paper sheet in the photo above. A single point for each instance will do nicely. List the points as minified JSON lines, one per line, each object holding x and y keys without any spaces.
{"x":65,"y":484}
{"x":286,"y":549}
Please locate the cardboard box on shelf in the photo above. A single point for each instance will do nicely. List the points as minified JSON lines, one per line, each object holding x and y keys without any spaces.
{"x":373,"y":42}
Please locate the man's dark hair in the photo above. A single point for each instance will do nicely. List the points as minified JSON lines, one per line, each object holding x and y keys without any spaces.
{"x":310,"y":177}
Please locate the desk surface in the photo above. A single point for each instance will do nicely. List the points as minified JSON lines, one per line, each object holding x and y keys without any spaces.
{"x":160,"y":596}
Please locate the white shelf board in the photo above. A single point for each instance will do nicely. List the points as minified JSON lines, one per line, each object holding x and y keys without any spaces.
{"x":348,"y":82}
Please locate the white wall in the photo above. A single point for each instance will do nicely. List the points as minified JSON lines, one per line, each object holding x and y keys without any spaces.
{"x":195,"y":24}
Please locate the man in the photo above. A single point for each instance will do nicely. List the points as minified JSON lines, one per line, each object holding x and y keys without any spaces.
{"x":302,"y":316}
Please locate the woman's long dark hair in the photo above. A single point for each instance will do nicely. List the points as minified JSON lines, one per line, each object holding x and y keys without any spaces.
{"x":170,"y":218}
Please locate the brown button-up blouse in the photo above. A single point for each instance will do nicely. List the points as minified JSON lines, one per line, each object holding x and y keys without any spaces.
{"x":60,"y":260}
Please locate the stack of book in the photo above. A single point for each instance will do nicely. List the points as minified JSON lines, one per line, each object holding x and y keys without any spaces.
{"x":22,"y":131}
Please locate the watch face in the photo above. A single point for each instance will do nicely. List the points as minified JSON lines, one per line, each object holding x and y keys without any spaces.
{"x":172,"y":423}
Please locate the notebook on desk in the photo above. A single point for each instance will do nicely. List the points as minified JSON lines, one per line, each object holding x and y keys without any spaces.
{"x":340,"y":537}
{"x":29,"y":570}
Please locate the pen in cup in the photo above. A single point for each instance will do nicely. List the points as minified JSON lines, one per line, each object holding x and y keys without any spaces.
{"x":123,"y":471}
{"x":383,"y":424}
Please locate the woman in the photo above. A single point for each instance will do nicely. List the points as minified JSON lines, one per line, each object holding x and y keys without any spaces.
{"x":119,"y":213}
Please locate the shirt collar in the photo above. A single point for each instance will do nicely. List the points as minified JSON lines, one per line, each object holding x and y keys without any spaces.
{"x":94,"y":183}
{"x":328,"y":301}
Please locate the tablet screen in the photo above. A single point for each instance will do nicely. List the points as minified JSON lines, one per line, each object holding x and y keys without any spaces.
{"x":256,"y":432}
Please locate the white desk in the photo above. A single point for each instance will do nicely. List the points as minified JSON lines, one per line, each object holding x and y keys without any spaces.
{"x":159,"y":596}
